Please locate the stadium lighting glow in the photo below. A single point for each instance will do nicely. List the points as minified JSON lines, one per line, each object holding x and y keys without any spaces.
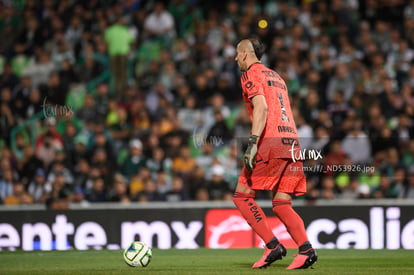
{"x":262,"y":23}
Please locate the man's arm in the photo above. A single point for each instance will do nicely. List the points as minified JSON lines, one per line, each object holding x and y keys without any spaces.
{"x":258,"y":124}
{"x":259,"y":115}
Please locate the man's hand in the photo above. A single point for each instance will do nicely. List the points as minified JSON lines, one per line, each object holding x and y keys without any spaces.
{"x":251,"y":151}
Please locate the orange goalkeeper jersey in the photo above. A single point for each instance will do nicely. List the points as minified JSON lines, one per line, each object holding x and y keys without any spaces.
{"x":279,"y":136}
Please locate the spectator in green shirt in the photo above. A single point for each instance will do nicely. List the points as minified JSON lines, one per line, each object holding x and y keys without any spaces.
{"x":118,"y":39}
{"x":135,"y":160}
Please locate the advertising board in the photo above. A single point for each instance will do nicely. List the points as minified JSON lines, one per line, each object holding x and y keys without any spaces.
{"x":342,"y":227}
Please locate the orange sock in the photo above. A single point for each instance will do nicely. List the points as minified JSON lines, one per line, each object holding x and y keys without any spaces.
{"x":292,"y":221}
{"x":254,"y":215}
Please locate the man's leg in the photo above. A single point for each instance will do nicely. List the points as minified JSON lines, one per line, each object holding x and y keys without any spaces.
{"x":119,"y":68}
{"x":114,"y":68}
{"x":282,"y":207}
{"x":123,"y":75}
{"x":244,"y":200}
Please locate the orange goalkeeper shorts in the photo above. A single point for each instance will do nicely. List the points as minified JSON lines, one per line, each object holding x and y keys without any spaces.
{"x":277,"y":175}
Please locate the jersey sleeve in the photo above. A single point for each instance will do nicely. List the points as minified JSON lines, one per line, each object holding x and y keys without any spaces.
{"x":252,"y":84}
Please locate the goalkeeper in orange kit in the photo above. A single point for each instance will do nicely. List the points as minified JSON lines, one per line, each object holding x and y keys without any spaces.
{"x":268,"y":161}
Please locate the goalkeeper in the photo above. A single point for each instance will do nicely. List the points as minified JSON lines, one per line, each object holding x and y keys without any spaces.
{"x":268,"y":159}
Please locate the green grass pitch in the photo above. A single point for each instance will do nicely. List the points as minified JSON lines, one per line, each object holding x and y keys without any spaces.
{"x":204,"y":261}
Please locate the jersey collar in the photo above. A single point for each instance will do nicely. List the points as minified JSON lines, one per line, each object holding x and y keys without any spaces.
{"x":258,"y":62}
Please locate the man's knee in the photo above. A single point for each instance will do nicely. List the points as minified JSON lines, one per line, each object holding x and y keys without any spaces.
{"x":282,"y":196}
{"x":244,"y":189}
{"x":242,"y":194}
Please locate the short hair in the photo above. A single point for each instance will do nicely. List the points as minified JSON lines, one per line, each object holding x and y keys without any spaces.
{"x":258,"y":47}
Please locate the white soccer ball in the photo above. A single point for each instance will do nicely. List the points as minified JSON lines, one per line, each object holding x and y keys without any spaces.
{"x":138,"y":254}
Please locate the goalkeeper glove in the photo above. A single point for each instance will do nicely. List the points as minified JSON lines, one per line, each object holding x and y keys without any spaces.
{"x":251,"y":151}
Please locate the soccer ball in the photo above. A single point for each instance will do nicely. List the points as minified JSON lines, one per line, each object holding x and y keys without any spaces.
{"x":138,"y":254}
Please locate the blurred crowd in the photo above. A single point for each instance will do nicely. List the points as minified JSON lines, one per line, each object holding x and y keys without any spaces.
{"x":135,"y":101}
